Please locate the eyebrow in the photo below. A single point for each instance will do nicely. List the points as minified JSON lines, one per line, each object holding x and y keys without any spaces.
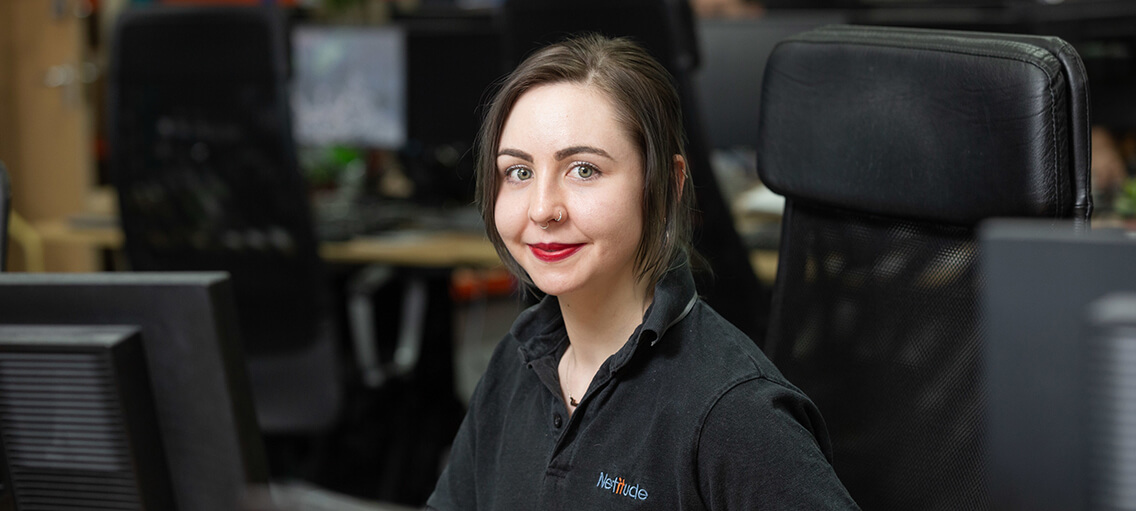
{"x":574,"y":150}
{"x":560,"y":155}
{"x":517,"y":153}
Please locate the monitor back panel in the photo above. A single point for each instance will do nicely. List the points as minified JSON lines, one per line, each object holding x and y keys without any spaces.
{"x":77,"y":422}
{"x":199,"y":381}
{"x":1040,"y":283}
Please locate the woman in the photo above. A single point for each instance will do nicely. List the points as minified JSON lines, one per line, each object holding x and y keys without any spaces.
{"x":620,"y":389}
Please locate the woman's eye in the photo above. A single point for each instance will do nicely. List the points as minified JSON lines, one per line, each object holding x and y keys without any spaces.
{"x":518,"y":173}
{"x":584,"y":171}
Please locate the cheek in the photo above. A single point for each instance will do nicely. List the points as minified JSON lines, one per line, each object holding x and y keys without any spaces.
{"x":508,"y":216}
{"x":630,"y":225}
{"x":615,"y":218}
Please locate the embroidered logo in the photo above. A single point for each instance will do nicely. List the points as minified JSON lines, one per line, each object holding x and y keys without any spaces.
{"x":619,"y":486}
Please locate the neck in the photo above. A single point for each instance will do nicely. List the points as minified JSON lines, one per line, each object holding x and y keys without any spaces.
{"x":599,"y":324}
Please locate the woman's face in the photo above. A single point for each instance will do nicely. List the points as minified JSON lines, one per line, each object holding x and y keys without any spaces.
{"x":563,"y":155}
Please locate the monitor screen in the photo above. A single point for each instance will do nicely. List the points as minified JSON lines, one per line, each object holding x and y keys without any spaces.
{"x":349,"y":86}
{"x":200,"y":386}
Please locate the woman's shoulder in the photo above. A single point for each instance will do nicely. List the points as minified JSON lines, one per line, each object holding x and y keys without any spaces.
{"x":769,"y":428}
{"x":722,"y":350}
{"x":747,"y":386}
{"x":711,"y":364}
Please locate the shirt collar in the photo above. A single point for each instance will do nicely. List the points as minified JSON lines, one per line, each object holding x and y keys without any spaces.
{"x":540,"y":328}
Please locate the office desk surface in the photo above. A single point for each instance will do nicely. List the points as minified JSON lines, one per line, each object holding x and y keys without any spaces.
{"x":422,"y":249}
{"x":432,"y":249}
{"x":414,"y":248}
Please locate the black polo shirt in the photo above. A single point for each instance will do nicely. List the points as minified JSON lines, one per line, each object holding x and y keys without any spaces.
{"x":689,"y":414}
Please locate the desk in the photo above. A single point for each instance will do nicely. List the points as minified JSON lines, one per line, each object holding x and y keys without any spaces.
{"x":420,"y":249}
{"x":423,"y":249}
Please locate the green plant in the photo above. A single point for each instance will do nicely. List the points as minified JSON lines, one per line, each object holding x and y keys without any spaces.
{"x":323,"y":166}
{"x":1125,"y":204}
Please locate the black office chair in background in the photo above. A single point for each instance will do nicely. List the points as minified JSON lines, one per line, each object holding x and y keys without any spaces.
{"x":5,"y":212}
{"x":666,"y":29}
{"x":203,"y":160}
{"x":890,"y":145}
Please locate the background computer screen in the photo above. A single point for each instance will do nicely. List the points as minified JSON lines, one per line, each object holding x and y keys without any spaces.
{"x":349,"y":86}
{"x":197,"y":375}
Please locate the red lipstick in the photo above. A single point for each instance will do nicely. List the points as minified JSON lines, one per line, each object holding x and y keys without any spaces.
{"x":553,"y":252}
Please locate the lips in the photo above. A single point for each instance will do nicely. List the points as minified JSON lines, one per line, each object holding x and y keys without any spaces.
{"x":552,"y":252}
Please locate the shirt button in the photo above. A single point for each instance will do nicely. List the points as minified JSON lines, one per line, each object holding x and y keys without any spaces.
{"x":557,"y":421}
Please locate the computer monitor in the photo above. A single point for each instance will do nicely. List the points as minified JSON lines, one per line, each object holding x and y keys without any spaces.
{"x":188,"y":327}
{"x":349,"y":86}
{"x":77,"y":421}
{"x":452,"y":63}
{"x":734,"y":52}
{"x":1045,"y":328}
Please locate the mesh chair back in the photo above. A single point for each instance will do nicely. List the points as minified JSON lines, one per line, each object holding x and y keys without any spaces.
{"x":890,"y":146}
{"x":204,"y":163}
{"x":883,"y":335}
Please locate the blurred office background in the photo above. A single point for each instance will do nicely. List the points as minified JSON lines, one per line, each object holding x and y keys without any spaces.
{"x":385,"y":99}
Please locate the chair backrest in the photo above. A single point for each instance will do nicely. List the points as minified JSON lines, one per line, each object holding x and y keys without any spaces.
{"x":666,"y":29}
{"x":5,"y":212}
{"x":205,"y":166}
{"x":890,"y":145}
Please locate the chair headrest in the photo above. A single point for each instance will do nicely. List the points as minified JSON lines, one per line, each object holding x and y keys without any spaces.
{"x":938,"y":125}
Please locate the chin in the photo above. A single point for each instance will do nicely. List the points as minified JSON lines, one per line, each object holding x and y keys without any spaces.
{"x":551,"y":288}
{"x":552,"y":283}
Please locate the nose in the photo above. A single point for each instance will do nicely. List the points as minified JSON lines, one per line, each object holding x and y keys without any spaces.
{"x":547,"y":203}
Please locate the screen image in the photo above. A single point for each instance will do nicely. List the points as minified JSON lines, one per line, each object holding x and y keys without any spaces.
{"x":349,"y":86}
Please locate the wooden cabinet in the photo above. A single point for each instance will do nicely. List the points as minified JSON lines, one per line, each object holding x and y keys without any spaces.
{"x":46,"y":117}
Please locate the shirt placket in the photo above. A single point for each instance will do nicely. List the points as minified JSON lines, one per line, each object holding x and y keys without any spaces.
{"x":567,"y":438}
{"x":564,"y":427}
{"x":566,"y":431}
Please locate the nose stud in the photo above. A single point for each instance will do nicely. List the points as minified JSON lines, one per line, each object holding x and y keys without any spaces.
{"x":559,"y":215}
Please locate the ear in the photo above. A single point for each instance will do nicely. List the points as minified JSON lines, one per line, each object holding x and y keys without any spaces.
{"x":679,"y":171}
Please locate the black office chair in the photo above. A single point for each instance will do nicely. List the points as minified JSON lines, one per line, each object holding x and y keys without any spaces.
{"x":203,"y":160}
{"x":666,"y":29}
{"x":5,"y":212}
{"x":890,"y":145}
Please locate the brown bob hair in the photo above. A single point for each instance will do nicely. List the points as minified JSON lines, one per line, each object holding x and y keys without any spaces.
{"x":648,"y":107}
